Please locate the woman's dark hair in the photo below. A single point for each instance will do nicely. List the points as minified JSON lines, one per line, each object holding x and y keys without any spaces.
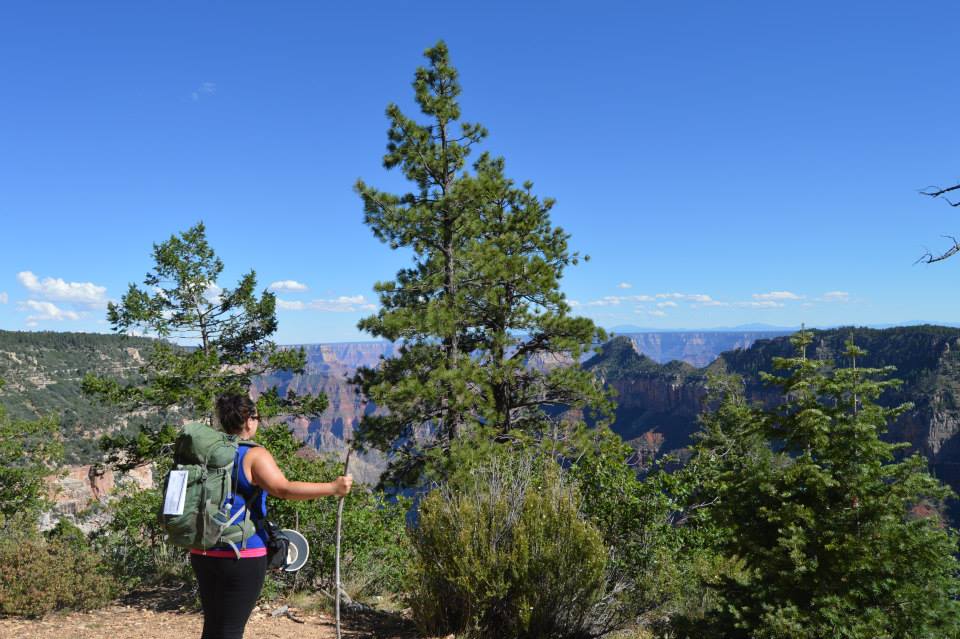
{"x":233,"y":411}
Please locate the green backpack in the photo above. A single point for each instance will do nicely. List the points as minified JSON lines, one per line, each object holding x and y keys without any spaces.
{"x":198,"y":490}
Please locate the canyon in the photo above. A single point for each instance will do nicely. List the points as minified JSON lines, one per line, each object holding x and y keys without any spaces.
{"x":660,"y":380}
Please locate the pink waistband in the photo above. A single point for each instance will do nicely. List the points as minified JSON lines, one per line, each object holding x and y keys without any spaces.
{"x":244,"y":554}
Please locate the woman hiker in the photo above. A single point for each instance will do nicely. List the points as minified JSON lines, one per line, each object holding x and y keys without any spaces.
{"x":230,"y":586}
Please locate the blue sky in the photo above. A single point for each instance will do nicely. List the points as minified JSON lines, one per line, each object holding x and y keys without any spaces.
{"x":721,"y":163}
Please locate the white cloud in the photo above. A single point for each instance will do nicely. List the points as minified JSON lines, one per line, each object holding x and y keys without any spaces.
{"x":657,"y":313}
{"x":609,"y":300}
{"x":205,"y":90}
{"x":213,"y":294}
{"x":773,"y":299}
{"x":624,"y":285}
{"x":836,"y":296}
{"x":616,"y":300}
{"x":573,"y":303}
{"x":291,"y":286}
{"x":777,"y":296}
{"x":45,"y":311}
{"x":4,"y":298}
{"x":342,"y":304}
{"x":697,"y":298}
{"x":58,"y":290}
{"x":290,"y":306}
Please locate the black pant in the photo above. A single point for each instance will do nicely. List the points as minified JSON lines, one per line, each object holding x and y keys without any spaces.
{"x":229,"y":589}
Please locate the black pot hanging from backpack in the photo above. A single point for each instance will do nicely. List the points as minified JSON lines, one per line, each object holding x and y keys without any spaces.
{"x":286,"y":549}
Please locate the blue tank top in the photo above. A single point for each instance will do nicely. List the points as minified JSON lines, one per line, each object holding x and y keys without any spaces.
{"x":245,"y":490}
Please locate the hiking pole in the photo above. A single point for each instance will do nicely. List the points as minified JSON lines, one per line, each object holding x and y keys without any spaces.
{"x":346,"y":467}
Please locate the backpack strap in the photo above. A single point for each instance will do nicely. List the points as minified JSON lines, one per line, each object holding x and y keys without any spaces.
{"x":245,"y":511}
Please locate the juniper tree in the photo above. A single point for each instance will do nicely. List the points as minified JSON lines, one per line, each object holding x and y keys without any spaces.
{"x":836,"y":536}
{"x":211,"y":340}
{"x":481,"y":301}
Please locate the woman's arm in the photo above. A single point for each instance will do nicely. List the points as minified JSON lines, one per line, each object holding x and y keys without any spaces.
{"x":267,"y":475}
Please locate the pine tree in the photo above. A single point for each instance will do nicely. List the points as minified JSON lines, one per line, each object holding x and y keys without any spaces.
{"x":831,"y":528}
{"x":480,"y":303}
{"x":211,"y":340}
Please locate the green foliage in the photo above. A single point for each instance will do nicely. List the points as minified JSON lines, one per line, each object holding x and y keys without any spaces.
{"x":479,"y":316}
{"x":835,"y":536}
{"x":504,"y":552}
{"x":45,"y":370}
{"x":42,"y":575}
{"x":68,"y":533}
{"x":374,"y":545}
{"x":655,"y":558}
{"x":30,"y":451}
{"x":213,"y":340}
{"x":133,"y":542}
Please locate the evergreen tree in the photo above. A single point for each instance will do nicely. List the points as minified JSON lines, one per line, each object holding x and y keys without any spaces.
{"x":212,"y":340}
{"x":480,"y":303}
{"x":835,"y":536}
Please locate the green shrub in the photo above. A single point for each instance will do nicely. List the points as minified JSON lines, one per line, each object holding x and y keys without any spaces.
{"x":30,"y":451}
{"x":374,"y":546}
{"x":506,"y":554}
{"x":42,"y":575}
{"x":133,"y":542}
{"x":657,"y":558}
{"x":69,"y":534}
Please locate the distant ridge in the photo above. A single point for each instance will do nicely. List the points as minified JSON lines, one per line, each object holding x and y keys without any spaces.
{"x":758,"y":328}
{"x":630,"y":328}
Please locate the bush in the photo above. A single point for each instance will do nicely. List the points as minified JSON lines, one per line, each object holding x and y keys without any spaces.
{"x":657,"y":557}
{"x":30,"y":451}
{"x":374,"y":532}
{"x":506,"y":554}
{"x":133,"y":542}
{"x":42,"y":575}
{"x":374,"y":546}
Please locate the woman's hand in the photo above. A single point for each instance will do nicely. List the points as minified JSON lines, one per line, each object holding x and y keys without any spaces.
{"x":342,"y":485}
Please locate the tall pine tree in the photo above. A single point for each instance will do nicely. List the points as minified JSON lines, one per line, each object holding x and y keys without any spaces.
{"x":486,"y":338}
{"x":835,"y":535}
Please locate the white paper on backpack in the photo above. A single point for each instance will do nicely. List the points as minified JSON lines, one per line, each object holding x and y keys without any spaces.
{"x":176,"y":491}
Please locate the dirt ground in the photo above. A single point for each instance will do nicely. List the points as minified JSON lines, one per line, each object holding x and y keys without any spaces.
{"x":148,"y":618}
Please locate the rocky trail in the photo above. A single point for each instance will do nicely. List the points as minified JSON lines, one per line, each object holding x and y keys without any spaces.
{"x":149,"y":618}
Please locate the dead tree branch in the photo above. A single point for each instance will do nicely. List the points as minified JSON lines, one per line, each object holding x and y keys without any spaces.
{"x":941,"y":192}
{"x":936,"y":191}
{"x":930,"y":258}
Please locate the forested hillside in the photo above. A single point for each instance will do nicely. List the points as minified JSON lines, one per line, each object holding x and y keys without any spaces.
{"x":657,"y":408}
{"x":44,"y":370}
